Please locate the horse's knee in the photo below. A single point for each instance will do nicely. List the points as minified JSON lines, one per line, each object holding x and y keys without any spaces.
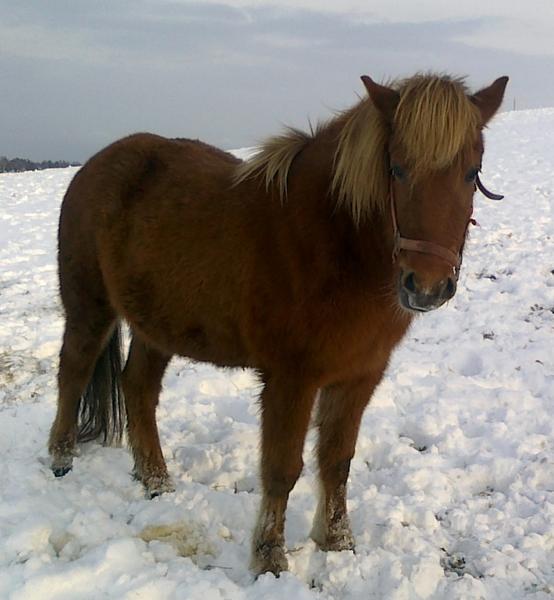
{"x":334,"y":474}
{"x":279,"y":481}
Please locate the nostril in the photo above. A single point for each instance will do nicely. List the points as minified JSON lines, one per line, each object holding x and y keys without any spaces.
{"x":450,"y":287}
{"x":409,"y":282}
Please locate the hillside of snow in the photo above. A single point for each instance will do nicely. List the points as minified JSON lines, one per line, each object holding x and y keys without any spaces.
{"x":452,"y":488}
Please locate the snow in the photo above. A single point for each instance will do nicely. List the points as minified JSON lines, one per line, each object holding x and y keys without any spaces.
{"x":451,"y":492}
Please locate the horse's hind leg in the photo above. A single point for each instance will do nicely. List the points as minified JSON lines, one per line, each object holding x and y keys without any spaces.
{"x":286,"y":409}
{"x":141,"y":381}
{"x":84,"y":339}
{"x":339,"y":414}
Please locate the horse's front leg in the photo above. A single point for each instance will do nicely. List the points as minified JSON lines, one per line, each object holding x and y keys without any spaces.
{"x":340,"y":410}
{"x":286,"y":409}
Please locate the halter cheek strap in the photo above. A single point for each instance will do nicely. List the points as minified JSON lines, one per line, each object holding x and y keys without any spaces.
{"x":425,"y":247}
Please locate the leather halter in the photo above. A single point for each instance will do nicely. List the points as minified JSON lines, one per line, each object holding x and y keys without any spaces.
{"x":490,"y":195}
{"x":426,"y":247}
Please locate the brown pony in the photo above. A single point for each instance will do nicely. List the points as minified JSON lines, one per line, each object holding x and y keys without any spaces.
{"x":306,"y":263}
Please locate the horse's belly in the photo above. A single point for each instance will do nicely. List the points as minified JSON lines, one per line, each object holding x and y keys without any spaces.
{"x":221,"y":346}
{"x":222,"y":353}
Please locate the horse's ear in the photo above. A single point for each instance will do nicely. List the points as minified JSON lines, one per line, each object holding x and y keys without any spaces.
{"x":384,"y":98}
{"x":489,"y":99}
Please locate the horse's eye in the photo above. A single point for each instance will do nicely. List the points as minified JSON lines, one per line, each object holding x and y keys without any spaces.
{"x":471,"y":175}
{"x":398,"y":172}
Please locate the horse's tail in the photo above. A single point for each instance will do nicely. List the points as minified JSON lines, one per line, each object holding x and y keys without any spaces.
{"x":101,"y":409}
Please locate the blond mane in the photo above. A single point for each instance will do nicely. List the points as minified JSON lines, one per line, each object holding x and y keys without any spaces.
{"x":434,"y":121}
{"x":273,"y":159}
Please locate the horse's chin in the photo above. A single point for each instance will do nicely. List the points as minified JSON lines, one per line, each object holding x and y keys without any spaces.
{"x":408,"y":304}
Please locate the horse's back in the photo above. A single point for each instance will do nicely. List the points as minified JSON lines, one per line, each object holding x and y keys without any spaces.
{"x":124,"y":175}
{"x":131,"y":165}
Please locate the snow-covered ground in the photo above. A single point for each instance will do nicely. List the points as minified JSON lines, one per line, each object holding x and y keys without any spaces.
{"x":452,"y":487}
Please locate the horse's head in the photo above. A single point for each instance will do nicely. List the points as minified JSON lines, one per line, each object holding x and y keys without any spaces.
{"x":435,"y":147}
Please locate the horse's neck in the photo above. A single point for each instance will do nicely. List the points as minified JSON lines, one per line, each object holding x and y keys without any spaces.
{"x":366,"y":247}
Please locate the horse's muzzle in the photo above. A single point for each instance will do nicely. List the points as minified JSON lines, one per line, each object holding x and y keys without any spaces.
{"x":415,"y":298}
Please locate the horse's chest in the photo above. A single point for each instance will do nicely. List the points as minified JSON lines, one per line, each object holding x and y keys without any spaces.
{"x":343,"y":340}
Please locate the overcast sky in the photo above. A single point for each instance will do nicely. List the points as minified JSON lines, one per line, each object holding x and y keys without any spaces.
{"x":76,"y":75}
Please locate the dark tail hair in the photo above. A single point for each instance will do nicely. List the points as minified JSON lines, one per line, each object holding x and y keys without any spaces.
{"x":101,"y":409}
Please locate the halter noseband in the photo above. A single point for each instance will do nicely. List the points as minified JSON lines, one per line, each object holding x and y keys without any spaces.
{"x":425,"y":247}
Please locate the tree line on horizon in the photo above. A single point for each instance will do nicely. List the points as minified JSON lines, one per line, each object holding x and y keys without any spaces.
{"x":18,"y":165}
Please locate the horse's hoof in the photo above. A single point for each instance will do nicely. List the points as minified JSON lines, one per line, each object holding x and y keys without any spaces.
{"x":61,"y":464}
{"x":61,"y":471}
{"x":339,"y":538}
{"x":338,"y":542}
{"x":269,"y":558}
{"x":338,"y":545}
{"x":61,"y":453}
{"x":156,"y":486}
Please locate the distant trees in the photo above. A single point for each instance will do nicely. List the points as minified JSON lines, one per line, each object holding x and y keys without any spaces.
{"x":18,"y":165}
